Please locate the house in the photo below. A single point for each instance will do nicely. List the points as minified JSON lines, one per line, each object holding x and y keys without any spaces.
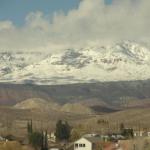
{"x":90,"y":135}
{"x":148,"y":134}
{"x":54,"y":148}
{"x":2,"y":139}
{"x":139,"y":133}
{"x":88,"y":143}
{"x":52,"y":137}
{"x":116,"y":136}
{"x":105,"y":138}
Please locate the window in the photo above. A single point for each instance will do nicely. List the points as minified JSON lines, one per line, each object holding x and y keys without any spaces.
{"x":81,"y":145}
{"x":76,"y":145}
{"x":93,"y":145}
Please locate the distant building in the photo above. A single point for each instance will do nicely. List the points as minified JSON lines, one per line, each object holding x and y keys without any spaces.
{"x":52,"y":137}
{"x":88,"y":143}
{"x":148,"y":133}
{"x":116,"y":136}
{"x":2,"y":139}
{"x":55,"y":148}
{"x":139,"y":133}
{"x":91,"y":135}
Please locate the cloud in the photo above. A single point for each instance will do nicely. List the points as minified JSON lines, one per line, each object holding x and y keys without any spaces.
{"x":91,"y":24}
{"x":6,"y":25}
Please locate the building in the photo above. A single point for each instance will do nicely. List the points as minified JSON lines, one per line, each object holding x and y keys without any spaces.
{"x":138,"y":133}
{"x":88,"y":143}
{"x":116,"y":136}
{"x":90,"y":135}
{"x":51,"y":137}
{"x":141,"y":134}
{"x":148,"y":134}
{"x":2,"y":139}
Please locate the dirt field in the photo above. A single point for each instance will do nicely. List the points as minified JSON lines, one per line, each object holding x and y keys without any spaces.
{"x":13,"y":146}
{"x":135,"y":144}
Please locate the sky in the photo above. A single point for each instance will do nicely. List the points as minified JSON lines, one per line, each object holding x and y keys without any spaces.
{"x":38,"y":25}
{"x":16,"y":10}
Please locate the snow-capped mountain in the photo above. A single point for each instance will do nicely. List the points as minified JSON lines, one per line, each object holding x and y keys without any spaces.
{"x":123,"y":61}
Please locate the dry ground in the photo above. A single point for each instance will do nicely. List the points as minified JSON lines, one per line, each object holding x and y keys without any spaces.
{"x":13,"y":146}
{"x":136,"y":144}
{"x":14,"y":121}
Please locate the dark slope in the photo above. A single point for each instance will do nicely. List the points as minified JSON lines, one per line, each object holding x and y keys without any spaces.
{"x":110,"y":92}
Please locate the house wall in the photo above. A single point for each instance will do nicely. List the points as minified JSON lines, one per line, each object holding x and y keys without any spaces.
{"x":82,"y":144}
{"x":139,"y":133}
{"x":148,"y":134}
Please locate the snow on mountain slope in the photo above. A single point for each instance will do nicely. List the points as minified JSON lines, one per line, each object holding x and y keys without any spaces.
{"x":10,"y":62}
{"x":123,"y":61}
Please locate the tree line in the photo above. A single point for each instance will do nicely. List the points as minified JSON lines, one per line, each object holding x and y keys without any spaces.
{"x":39,"y":140}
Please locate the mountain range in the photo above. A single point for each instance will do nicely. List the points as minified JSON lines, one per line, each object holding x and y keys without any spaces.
{"x":83,"y":86}
{"x":124,"y":61}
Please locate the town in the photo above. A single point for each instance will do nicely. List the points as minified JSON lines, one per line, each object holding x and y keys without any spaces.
{"x":65,"y":137}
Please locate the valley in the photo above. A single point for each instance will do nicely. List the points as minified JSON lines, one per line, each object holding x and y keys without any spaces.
{"x":115,"y":102}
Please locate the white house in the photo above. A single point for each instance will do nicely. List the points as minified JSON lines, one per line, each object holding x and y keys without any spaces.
{"x":148,"y":134}
{"x":141,"y":133}
{"x":90,"y":143}
{"x":52,"y":137}
{"x":138,"y":133}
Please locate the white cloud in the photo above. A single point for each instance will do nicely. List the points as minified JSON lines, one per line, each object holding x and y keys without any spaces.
{"x":6,"y":25}
{"x":92,"y":23}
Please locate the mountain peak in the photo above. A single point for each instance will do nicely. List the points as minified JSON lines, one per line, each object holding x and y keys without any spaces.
{"x":123,"y":61}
